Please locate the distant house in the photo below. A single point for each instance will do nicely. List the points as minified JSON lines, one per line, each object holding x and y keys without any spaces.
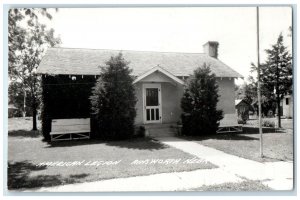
{"x":12,"y":110}
{"x":287,"y":106}
{"x":242,"y":108}
{"x":159,"y":81}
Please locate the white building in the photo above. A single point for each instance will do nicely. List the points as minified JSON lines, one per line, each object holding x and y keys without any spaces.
{"x":287,"y":106}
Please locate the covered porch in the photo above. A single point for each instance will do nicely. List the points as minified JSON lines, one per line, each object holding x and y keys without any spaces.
{"x":159,"y":94}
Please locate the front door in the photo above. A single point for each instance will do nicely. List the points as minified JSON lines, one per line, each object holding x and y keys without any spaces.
{"x":152,"y":103}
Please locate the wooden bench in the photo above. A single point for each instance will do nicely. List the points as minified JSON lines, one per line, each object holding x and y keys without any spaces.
{"x":229,"y":124}
{"x":68,"y":129}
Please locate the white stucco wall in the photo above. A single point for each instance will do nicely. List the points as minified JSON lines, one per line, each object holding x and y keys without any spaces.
{"x":287,"y":108}
{"x":139,"y":104}
{"x":226,"y":92}
{"x":171,"y":97}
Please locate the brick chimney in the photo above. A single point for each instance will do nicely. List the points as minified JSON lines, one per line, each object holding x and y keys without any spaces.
{"x":211,"y":48}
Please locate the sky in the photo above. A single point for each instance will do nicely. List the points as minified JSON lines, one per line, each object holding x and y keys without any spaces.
{"x":176,"y":30}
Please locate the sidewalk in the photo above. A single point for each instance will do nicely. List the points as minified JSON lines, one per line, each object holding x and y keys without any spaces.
{"x":179,"y":181}
{"x":276,"y":175}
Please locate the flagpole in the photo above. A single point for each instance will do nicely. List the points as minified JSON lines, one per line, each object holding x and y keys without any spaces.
{"x":258,"y":87}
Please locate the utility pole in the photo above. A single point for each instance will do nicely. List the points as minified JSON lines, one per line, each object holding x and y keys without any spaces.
{"x":258,"y":86}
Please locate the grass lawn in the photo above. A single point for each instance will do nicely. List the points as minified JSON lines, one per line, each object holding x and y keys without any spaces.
{"x":285,"y":123}
{"x":22,"y":127}
{"x":276,"y":146}
{"x":26,"y":150}
{"x":247,"y":185}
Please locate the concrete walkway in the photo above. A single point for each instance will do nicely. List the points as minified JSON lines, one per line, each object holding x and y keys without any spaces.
{"x":179,"y":181}
{"x":276,"y":175}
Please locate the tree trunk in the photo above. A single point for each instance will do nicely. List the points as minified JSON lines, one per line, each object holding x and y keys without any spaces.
{"x":34,"y":113}
{"x":277,"y":95}
{"x":24,"y":106}
{"x":279,"y":111}
{"x":34,"y":126}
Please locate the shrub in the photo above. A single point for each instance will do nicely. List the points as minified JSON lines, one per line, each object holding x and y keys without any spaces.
{"x":199,"y":104}
{"x":245,"y":116}
{"x":113,"y":101}
{"x":268,"y":123}
{"x":241,"y":121}
{"x":140,"y":131}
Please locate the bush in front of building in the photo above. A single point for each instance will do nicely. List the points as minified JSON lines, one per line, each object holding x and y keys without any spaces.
{"x":268,"y":123}
{"x":199,"y":104}
{"x":113,"y":101}
{"x":243,"y":117}
{"x":241,"y":121}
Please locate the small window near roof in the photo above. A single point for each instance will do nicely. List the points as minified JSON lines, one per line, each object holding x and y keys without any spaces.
{"x":287,"y":101}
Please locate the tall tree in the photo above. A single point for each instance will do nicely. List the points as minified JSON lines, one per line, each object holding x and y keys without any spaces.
{"x":113,"y":101}
{"x":16,"y":97}
{"x":199,"y":103}
{"x":28,"y":40}
{"x":268,"y":103}
{"x":247,"y":91}
{"x":276,"y":73}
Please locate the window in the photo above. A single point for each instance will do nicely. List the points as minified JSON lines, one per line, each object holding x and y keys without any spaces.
{"x":287,"y":101}
{"x":152,"y":97}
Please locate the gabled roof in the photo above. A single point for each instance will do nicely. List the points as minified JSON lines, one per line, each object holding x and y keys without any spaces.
{"x":161,"y":70}
{"x":238,"y":101}
{"x":70,"y":61}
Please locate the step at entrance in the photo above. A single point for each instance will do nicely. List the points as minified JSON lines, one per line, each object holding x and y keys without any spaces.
{"x":161,"y":130}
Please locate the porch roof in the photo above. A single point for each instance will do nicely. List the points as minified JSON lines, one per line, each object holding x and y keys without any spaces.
{"x":69,"y":61}
{"x":161,"y":70}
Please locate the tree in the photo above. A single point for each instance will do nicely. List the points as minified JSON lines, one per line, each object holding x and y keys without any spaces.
{"x":199,"y":103}
{"x":246,"y":91}
{"x":250,"y":92}
{"x":268,"y":104}
{"x":239,"y":91}
{"x":17,"y":98}
{"x":27,"y":44}
{"x":113,"y":100}
{"x":276,"y":73}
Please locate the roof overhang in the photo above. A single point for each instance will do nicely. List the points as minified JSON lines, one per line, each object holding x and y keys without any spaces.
{"x":161,"y":70}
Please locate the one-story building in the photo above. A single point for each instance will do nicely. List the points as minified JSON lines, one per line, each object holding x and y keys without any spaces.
{"x":242,"y":109}
{"x":287,"y":106}
{"x":12,"y":110}
{"x":159,"y":81}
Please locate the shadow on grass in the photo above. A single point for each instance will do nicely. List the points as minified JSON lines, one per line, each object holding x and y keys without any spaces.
{"x":71,"y":143}
{"x":255,"y":130}
{"x":138,"y":143}
{"x":24,"y":133}
{"x":134,"y":143}
{"x":18,"y":177}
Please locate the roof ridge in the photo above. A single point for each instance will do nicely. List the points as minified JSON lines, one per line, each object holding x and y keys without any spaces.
{"x":127,"y":50}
